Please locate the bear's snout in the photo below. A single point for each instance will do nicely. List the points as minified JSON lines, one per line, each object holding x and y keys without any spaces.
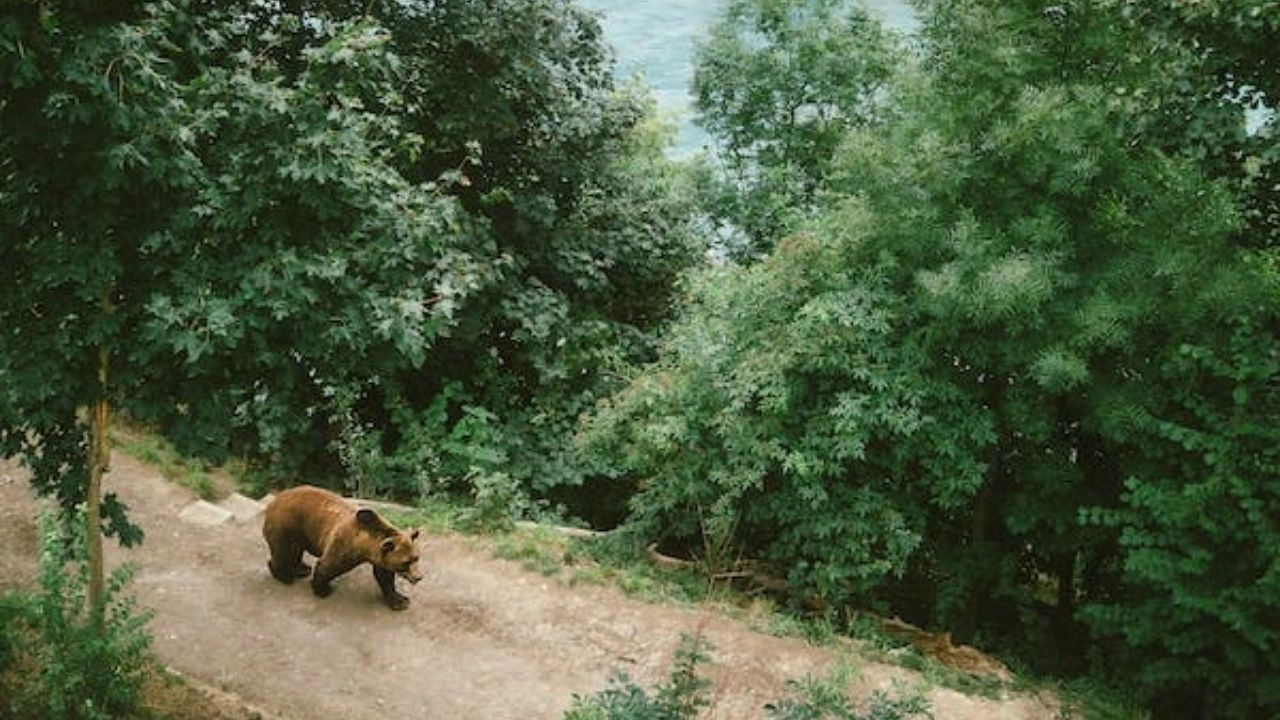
{"x":412,"y":575}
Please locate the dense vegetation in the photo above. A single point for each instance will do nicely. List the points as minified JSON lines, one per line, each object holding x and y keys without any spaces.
{"x":1012,"y":367}
{"x":993,"y":345}
{"x":422,"y":235}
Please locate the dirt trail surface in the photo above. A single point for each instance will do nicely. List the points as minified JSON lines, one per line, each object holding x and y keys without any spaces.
{"x":483,"y":639}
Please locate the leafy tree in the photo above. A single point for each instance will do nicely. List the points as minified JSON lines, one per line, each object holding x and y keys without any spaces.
{"x":1147,"y":377}
{"x":592,"y":221}
{"x":582,"y":226}
{"x":786,"y":418}
{"x":217,"y":245}
{"x":1229,"y":50}
{"x":778,"y":83}
{"x":1024,"y":340}
{"x":275,"y":229}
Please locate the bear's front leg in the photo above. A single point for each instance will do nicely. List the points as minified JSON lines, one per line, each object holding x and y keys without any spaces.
{"x":326,"y":572}
{"x":320,"y":586}
{"x":387,"y":583}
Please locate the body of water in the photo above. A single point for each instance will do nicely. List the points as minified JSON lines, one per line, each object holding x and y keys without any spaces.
{"x":654,"y":39}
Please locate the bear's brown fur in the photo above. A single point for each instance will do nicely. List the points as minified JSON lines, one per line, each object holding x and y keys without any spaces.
{"x":340,"y":536}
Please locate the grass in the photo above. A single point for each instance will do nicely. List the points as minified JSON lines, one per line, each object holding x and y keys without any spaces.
{"x":537,"y":551}
{"x":605,"y":560}
{"x":429,"y":516}
{"x":159,"y":453}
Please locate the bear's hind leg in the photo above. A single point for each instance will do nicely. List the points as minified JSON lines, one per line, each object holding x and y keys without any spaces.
{"x":286,"y":563}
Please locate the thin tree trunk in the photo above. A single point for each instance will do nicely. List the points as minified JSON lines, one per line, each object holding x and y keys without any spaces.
{"x":1070,"y":639}
{"x":967,"y":624}
{"x":98,"y":463}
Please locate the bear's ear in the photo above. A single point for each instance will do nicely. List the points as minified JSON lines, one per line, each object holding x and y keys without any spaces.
{"x":387,"y":546}
{"x":414,"y":535}
{"x":367,"y":517}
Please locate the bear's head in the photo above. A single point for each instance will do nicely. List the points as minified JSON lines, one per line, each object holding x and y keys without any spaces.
{"x":397,"y":551}
{"x":400,"y":555}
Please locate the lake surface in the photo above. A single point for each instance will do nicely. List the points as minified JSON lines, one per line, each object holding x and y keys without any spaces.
{"x":654,"y":39}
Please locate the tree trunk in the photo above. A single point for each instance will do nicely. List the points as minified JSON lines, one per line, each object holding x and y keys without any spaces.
{"x":98,"y":463}
{"x":977,"y":567}
{"x":1068,"y":634}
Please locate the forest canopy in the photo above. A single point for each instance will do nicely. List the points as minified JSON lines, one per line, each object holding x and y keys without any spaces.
{"x":1005,"y":361}
{"x":397,"y":248}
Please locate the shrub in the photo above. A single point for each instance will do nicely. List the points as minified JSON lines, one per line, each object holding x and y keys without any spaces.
{"x":497,"y":501}
{"x":679,"y":698}
{"x":685,"y":694}
{"x":823,"y":698}
{"x":88,"y":663}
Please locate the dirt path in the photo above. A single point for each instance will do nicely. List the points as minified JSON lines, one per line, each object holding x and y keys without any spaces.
{"x":483,"y":639}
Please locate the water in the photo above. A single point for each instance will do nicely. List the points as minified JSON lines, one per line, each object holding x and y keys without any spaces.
{"x":654,"y":39}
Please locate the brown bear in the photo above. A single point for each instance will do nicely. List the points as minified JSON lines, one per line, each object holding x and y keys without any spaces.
{"x":340,"y":536}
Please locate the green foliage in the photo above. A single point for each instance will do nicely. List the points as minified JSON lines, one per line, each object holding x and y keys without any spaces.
{"x":685,"y":694}
{"x":86,"y":663}
{"x":1013,"y":376}
{"x":581,"y":227}
{"x":1200,"y":550}
{"x":625,"y":561}
{"x":13,"y":611}
{"x":1092,"y":698}
{"x":787,"y":415}
{"x":823,"y":698}
{"x":681,"y":697}
{"x":778,"y":83}
{"x":241,"y":240}
{"x":352,"y":268}
{"x":496,"y":502}
{"x":585,"y":223}
{"x":321,"y":236}
{"x":1228,"y":47}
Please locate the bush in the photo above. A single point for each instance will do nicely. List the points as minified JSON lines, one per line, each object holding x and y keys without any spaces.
{"x":820,"y":699}
{"x":685,"y":694}
{"x":87,"y":664}
{"x":680,"y":698}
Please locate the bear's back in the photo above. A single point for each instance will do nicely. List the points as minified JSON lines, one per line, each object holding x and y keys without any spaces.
{"x":312,"y":512}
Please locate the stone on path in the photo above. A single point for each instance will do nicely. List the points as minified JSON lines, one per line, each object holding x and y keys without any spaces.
{"x":205,"y":513}
{"x":241,"y":507}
